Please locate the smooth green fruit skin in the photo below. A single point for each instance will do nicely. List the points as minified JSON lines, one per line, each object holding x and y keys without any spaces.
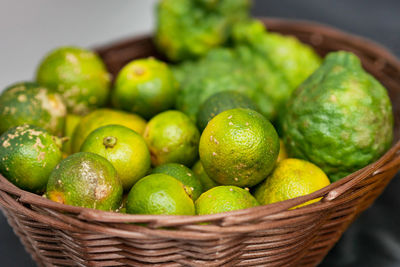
{"x":159,"y":194}
{"x":103,"y":117}
{"x":129,"y":155}
{"x":28,"y":154}
{"x":205,"y":180}
{"x":172,"y":137}
{"x":223,"y":199}
{"x":183,"y":174}
{"x":71,"y":122}
{"x":79,"y":75}
{"x":29,"y":103}
{"x":240,"y":153}
{"x":340,"y":118}
{"x":146,"y":87}
{"x":219,"y":102}
{"x":85,"y":180}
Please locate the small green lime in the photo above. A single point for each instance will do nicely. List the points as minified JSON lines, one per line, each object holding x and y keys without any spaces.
{"x":28,"y":154}
{"x":183,"y":174}
{"x":239,"y":147}
{"x":159,"y":194}
{"x":86,"y":180}
{"x":146,"y":87}
{"x":224,"y":198}
{"x":172,"y":137}
{"x":79,"y":75}
{"x":29,"y":103}
{"x":205,"y":180}
{"x":124,"y":148}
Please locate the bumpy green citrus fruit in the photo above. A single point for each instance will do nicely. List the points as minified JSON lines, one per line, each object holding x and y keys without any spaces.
{"x":239,"y":147}
{"x":183,"y":174}
{"x":291,"y":178}
{"x":159,"y":194}
{"x":205,"y":180}
{"x":28,"y":154}
{"x":219,"y":102}
{"x":146,"y":87}
{"x":71,"y":122}
{"x":224,"y":198}
{"x":29,"y":103}
{"x":172,"y":137}
{"x":79,"y":75}
{"x":340,"y":118}
{"x":86,"y":180}
{"x":124,"y":148}
{"x":103,"y":117}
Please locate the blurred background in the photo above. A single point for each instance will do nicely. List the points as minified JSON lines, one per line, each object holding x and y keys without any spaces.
{"x":29,"y":29}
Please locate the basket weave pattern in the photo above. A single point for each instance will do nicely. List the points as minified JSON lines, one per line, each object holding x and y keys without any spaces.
{"x":273,"y":235}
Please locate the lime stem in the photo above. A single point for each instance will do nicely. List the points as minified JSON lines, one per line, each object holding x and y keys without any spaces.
{"x":109,"y":141}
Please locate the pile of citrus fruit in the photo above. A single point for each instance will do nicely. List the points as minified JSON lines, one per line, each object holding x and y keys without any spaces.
{"x":79,"y":137}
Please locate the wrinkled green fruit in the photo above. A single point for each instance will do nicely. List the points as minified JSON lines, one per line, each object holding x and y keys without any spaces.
{"x":340,"y":118}
{"x":189,"y":29}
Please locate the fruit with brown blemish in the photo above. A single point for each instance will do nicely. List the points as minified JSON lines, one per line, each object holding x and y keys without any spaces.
{"x":79,"y":75}
{"x":30,"y":103}
{"x":86,"y":180}
{"x":28,"y":154}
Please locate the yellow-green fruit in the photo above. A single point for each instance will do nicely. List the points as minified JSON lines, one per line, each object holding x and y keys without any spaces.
{"x":159,"y":194}
{"x":124,"y":148}
{"x":103,"y":117}
{"x":71,"y":122}
{"x":205,"y":181}
{"x":224,"y":198}
{"x":30,"y":103}
{"x":291,"y":178}
{"x":172,"y":137}
{"x":282,"y":151}
{"x":79,"y":75}
{"x":239,"y":147}
{"x":85,"y":180}
{"x":28,"y":154}
{"x":184,"y":175}
{"x":146,"y":87}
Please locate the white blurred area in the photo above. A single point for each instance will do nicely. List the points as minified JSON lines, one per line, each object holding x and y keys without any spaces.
{"x":31,"y":28}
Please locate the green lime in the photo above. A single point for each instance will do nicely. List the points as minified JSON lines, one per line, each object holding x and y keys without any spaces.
{"x":146,"y":87}
{"x":224,"y":198}
{"x":340,"y":118}
{"x":28,"y":154}
{"x":159,"y":194}
{"x":219,"y":102}
{"x":79,"y":75}
{"x":291,"y":178}
{"x":124,"y":148}
{"x":71,"y":122}
{"x":183,"y":174}
{"x":205,"y":180}
{"x":29,"y":103}
{"x":239,"y":147}
{"x":86,"y":180}
{"x":103,"y":117}
{"x":172,"y":137}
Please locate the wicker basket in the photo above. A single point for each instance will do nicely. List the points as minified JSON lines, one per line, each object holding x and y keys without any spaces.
{"x":273,"y":235}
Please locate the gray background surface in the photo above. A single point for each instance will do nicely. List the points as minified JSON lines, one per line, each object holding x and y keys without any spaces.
{"x":28,"y":29}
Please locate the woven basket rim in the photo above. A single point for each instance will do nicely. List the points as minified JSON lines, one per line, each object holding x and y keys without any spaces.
{"x":328,"y":193}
